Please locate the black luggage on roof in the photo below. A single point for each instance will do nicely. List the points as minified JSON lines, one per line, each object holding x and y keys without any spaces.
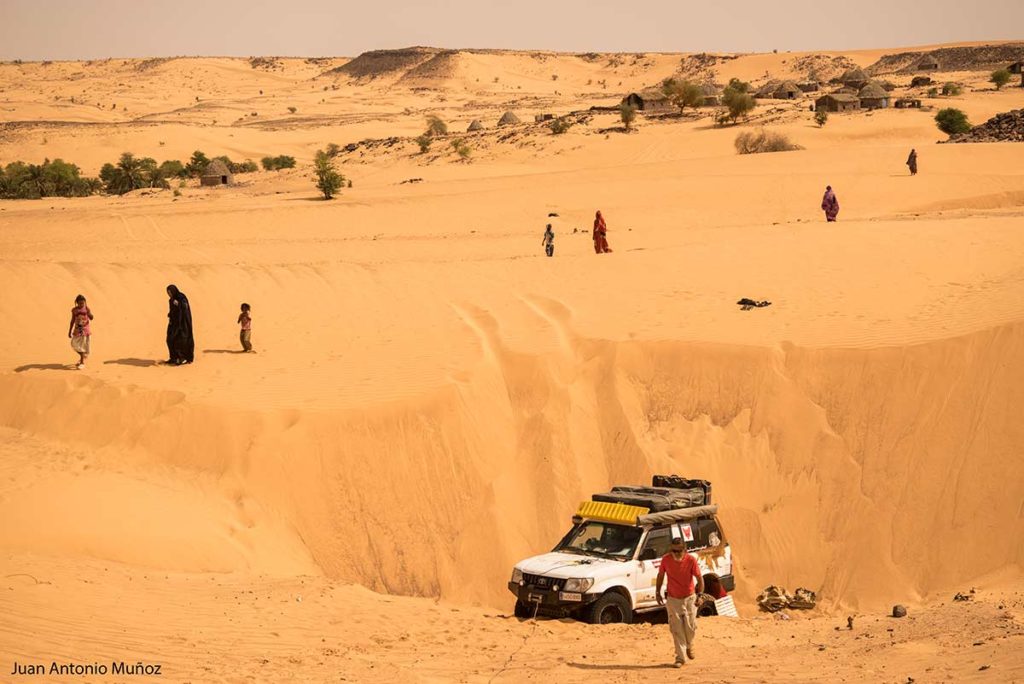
{"x":677,"y":482}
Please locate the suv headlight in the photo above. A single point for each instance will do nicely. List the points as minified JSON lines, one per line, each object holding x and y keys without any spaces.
{"x":517,"y":575}
{"x":579,"y":585}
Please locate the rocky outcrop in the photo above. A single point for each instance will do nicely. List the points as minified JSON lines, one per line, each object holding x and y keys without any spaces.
{"x":1005,"y":127}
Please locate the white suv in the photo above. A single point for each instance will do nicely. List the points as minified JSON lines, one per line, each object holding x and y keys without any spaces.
{"x":605,"y":568}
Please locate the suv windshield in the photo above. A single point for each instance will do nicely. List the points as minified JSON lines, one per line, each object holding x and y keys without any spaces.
{"x":601,"y":539}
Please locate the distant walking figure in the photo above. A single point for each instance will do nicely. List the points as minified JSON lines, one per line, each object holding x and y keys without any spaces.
{"x":79,"y":330}
{"x":912,"y":162}
{"x":600,"y":235}
{"x":829,"y":204}
{"x":181,"y":345}
{"x":245,"y":336}
{"x":549,"y":241}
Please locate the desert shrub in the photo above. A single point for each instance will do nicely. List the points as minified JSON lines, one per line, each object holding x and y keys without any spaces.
{"x":933,"y":92}
{"x":278,"y":163}
{"x":682,"y":93}
{"x":951,"y":121}
{"x":293,"y":109}
{"x":560,"y":125}
{"x":951,"y":89}
{"x":820,"y":117}
{"x":436,"y":127}
{"x":328,"y":180}
{"x":424,"y":142}
{"x":756,"y":142}
{"x":628,"y":114}
{"x":461,"y":148}
{"x":56,"y":178}
{"x":333,"y":150}
{"x":999,"y":78}
{"x":738,"y":103}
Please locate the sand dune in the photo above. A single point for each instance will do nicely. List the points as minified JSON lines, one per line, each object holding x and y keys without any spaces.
{"x":431,"y":397}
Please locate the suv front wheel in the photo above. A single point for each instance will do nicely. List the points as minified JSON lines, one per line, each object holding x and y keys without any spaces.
{"x":609,"y":609}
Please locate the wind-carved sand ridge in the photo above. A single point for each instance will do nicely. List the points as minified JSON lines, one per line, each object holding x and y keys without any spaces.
{"x":431,"y":397}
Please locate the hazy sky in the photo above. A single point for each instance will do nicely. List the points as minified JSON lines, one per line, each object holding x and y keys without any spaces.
{"x":89,"y":29}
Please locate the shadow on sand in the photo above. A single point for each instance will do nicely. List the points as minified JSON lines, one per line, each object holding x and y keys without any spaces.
{"x":592,"y":666}
{"x":44,"y":366}
{"x":139,"y":363}
{"x":223,"y":351}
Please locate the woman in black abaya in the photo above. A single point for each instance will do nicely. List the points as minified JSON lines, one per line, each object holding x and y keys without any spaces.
{"x":181,"y":345}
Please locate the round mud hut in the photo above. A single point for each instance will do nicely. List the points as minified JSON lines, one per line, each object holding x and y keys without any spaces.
{"x":854,"y":78}
{"x":216,"y":173}
{"x":508,"y":119}
{"x":475,"y":126}
{"x":873,"y":96}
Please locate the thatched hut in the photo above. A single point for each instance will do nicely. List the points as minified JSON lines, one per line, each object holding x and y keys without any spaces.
{"x":1016,"y":68}
{"x":787,"y":90}
{"x":649,"y":101}
{"x":854,"y":78}
{"x":808,"y":86}
{"x":907,"y":103}
{"x":767,"y":90}
{"x":216,"y":173}
{"x":475,"y":125}
{"x":508,"y":119}
{"x":928,"y":63}
{"x":873,"y":96}
{"x":837,"y":102}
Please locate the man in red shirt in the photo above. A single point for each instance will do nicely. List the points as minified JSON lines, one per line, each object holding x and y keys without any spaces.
{"x":682,"y":570}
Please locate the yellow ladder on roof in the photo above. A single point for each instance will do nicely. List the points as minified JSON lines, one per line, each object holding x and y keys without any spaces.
{"x":611,"y":512}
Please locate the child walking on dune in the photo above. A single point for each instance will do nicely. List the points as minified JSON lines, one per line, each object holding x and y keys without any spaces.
{"x":245,"y":336}
{"x":79,"y":330}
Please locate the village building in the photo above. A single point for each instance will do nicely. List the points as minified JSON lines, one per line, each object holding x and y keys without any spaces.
{"x":808,"y":86}
{"x":873,"y":96}
{"x":1016,"y":68}
{"x":787,"y":90}
{"x":711,"y":94}
{"x":854,"y":78}
{"x":907,"y":103}
{"x":474,"y":126}
{"x":649,"y":101}
{"x":767,"y":90}
{"x":216,"y":173}
{"x":837,"y":102}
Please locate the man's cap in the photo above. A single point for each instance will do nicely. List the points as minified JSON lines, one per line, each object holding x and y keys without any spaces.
{"x":677,"y":541}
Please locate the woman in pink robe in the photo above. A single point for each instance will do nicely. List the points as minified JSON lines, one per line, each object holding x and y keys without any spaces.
{"x":830,"y":205}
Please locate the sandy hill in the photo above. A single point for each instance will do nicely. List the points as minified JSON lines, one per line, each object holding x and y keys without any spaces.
{"x":431,"y":397}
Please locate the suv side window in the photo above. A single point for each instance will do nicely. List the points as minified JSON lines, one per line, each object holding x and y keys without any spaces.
{"x":658,"y":540}
{"x":705,"y":533}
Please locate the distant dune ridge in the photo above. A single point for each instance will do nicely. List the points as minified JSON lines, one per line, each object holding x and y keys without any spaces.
{"x":432,"y":397}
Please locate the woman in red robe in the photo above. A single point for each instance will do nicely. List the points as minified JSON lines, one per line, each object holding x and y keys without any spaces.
{"x":600,"y":235}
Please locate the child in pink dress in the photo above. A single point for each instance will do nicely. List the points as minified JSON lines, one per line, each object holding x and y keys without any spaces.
{"x":79,"y":330}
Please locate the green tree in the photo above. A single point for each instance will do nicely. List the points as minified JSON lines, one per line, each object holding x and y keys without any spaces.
{"x":197,"y":164}
{"x":999,"y":78}
{"x":820,"y":117}
{"x":952,"y":121}
{"x":738,"y":85}
{"x":328,"y":180}
{"x":738,"y":103}
{"x":682,"y":93}
{"x":172,"y":168}
{"x":627,"y":113}
{"x":130,"y":173}
{"x":951,"y":89}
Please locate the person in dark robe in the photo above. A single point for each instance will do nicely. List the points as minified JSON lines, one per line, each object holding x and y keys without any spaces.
{"x":912,"y":162}
{"x":600,"y":235}
{"x":830,"y":205}
{"x":181,"y":345}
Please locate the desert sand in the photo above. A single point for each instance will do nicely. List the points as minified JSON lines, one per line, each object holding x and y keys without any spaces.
{"x":431,"y":397}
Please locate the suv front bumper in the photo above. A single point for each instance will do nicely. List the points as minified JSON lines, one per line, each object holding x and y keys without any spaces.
{"x":550,"y":602}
